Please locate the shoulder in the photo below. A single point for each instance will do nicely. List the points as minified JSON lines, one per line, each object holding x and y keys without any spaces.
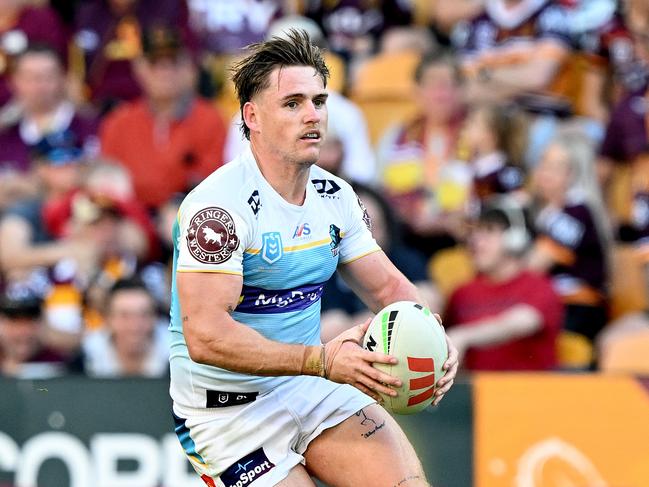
{"x":329,"y":186}
{"x":126,"y":112}
{"x":206,"y":111}
{"x":230,"y":188}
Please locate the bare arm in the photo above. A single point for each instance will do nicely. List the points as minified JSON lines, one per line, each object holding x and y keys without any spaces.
{"x":378,"y":283}
{"x":519,"y":321}
{"x":214,"y":338}
{"x":17,"y":252}
{"x":505,"y":82}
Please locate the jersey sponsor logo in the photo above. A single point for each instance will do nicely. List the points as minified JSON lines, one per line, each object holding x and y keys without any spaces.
{"x":302,"y":230}
{"x":211,"y":237}
{"x":247,"y":469}
{"x":255,"y":202}
{"x":271,"y":248}
{"x":326,"y":188}
{"x":257,"y":300}
{"x":567,"y":230}
{"x":366,"y":215}
{"x":334,"y":233}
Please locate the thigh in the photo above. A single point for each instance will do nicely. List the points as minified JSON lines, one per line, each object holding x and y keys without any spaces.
{"x":297,"y":477}
{"x":369,"y":448}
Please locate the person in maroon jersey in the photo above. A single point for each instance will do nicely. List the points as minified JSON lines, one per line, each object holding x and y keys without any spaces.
{"x":108,"y":39}
{"x":507,"y":318}
{"x":574,"y":236}
{"x":22,"y":25}
{"x":22,"y":350}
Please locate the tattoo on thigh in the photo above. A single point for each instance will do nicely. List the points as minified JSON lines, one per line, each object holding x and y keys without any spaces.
{"x":370,"y":423}
{"x":407,"y":479}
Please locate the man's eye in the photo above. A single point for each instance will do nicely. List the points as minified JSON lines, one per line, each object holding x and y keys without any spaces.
{"x":291,"y":104}
{"x":319,"y":103}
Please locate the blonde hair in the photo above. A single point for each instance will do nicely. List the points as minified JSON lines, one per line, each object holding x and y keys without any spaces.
{"x":584,"y":187}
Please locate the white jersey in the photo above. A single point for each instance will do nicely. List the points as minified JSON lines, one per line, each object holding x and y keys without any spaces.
{"x":234,"y":222}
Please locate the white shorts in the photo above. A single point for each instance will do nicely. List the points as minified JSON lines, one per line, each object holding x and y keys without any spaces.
{"x":257,"y":444}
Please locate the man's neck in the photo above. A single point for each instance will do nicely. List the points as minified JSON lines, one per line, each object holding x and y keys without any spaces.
{"x":168,"y":108}
{"x":289,"y":180}
{"x":507,"y":270}
{"x":131,"y":363}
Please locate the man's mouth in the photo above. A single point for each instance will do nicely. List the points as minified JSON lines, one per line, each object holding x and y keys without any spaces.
{"x":311,"y":135}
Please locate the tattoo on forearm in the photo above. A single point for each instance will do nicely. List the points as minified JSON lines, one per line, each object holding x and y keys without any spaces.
{"x":370,"y":423}
{"x":410,"y":477}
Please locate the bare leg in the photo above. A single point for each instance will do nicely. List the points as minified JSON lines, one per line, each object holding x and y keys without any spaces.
{"x":368,"y":448}
{"x":297,"y":477}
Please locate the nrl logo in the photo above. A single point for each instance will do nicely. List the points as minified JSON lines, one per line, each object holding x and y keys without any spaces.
{"x":271,"y":249}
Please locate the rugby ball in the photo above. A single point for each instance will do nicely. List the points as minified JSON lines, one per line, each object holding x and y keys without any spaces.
{"x":412,"y":334}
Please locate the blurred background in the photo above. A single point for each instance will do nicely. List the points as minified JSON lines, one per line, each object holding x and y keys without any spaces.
{"x":501,"y":148}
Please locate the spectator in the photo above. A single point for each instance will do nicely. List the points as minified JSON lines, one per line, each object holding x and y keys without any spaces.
{"x":506,"y":318}
{"x":341,"y":308}
{"x":626,"y":143}
{"x":225,"y":27}
{"x":39,"y":90}
{"x":169,"y":139}
{"x":22,"y":25}
{"x":25,"y":242}
{"x":537,"y":31}
{"x":494,"y":138}
{"x":353,"y":26}
{"x":133,"y":342}
{"x":574,"y":237}
{"x":108,"y":41}
{"x":415,"y":158}
{"x":22,"y":351}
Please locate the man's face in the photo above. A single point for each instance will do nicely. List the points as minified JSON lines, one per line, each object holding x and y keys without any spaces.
{"x":39,"y":82}
{"x":487,"y":247}
{"x":637,"y":19}
{"x":131,"y":318}
{"x":289,"y":117}
{"x":438,"y":91}
{"x":165,"y":78}
{"x":19,"y":337}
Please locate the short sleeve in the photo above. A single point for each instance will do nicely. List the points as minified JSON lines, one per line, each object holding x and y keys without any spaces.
{"x":357,"y":239}
{"x":211,"y":238}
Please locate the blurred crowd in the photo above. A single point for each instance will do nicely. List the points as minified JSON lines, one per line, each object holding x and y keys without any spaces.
{"x":501,"y":148}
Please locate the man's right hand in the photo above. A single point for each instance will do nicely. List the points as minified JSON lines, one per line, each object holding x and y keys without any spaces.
{"x":346,"y":362}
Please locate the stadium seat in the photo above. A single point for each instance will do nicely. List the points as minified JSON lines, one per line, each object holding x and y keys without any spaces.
{"x":574,"y":351}
{"x":383,"y":89}
{"x":628,"y":284}
{"x":450,"y":268}
{"x":628,"y":354}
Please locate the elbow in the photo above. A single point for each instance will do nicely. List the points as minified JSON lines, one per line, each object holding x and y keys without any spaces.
{"x":197,"y":350}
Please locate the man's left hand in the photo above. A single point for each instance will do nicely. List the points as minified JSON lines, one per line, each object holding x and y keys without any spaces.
{"x":450,"y":366}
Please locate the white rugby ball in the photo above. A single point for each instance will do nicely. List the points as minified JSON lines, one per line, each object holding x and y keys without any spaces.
{"x":412,"y":334}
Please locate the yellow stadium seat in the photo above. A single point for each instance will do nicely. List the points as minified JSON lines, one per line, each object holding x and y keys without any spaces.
{"x":450,"y":268}
{"x":629,"y":354}
{"x":628,"y":282}
{"x":574,"y":350}
{"x":383,"y":89}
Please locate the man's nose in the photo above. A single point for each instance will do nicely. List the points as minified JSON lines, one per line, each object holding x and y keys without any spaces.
{"x":312,"y":114}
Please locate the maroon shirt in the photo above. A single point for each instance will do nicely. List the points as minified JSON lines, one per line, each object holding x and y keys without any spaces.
{"x":14,"y":152}
{"x":483,"y":298}
{"x":33,"y":26}
{"x":111,"y":42}
{"x":578,"y":251}
{"x":627,"y":134}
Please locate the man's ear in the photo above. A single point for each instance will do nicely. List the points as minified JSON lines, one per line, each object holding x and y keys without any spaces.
{"x":251,"y":116}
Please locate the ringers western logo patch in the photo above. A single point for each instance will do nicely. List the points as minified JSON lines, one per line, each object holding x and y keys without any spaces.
{"x":211,"y":237}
